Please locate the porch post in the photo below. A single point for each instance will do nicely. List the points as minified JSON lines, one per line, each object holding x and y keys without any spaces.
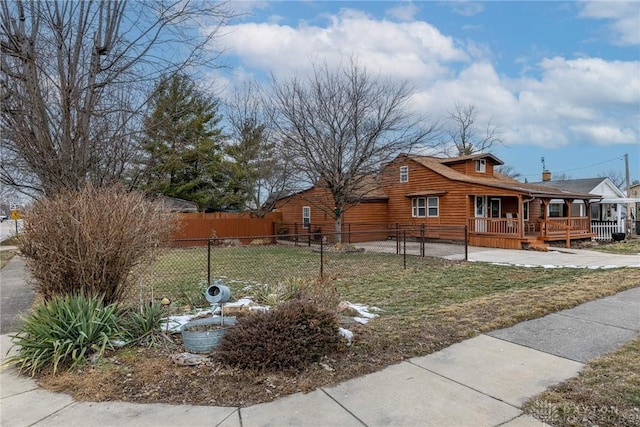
{"x":545,"y":212}
{"x":568,"y":203}
{"x":587,"y":210}
{"x":520,"y":216}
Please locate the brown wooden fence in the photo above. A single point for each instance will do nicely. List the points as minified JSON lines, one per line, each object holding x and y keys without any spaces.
{"x":224,"y":225}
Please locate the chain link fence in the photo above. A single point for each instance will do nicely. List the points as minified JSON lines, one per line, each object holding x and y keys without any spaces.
{"x":184,"y":269}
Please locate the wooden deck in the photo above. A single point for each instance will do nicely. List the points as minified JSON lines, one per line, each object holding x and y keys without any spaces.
{"x":513,"y":234}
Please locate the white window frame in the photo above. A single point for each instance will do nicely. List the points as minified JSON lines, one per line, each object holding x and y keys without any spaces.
{"x":418,"y":204}
{"x":431,"y":206}
{"x":404,"y":173}
{"x":481,"y":165}
{"x":306,"y":216}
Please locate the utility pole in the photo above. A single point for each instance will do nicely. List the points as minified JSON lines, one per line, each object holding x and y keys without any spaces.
{"x":627,"y":193}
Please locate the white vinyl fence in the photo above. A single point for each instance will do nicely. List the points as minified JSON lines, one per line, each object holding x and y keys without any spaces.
{"x":603,"y":229}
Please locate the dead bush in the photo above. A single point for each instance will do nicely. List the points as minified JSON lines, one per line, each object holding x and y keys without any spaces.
{"x":290,"y":336}
{"x":89,"y":241}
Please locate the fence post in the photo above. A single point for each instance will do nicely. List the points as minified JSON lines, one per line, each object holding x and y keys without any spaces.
{"x":397,"y":239}
{"x":349,"y":235}
{"x":295,"y":233}
{"x":422,"y":237}
{"x":309,"y":235}
{"x":404,"y":241}
{"x":466,"y":243}
{"x":208,"y":262}
{"x":321,"y":256}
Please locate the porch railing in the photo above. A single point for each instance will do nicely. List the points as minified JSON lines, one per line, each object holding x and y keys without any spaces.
{"x":502,"y":226}
{"x":558,"y":226}
{"x":550,"y":227}
{"x":604,"y":229}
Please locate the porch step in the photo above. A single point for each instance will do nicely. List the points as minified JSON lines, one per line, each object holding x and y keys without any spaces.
{"x":533,"y":244}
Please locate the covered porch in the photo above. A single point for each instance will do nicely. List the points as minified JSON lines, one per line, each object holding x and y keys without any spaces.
{"x":526,"y":221}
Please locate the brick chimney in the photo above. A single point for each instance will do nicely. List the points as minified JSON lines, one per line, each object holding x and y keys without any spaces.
{"x":546,"y":175}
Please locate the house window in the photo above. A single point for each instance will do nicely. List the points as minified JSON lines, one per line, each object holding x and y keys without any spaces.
{"x":432,"y":206}
{"x":404,"y":173}
{"x":595,"y":212}
{"x":481,"y":165}
{"x":306,"y":216}
{"x":555,"y":210}
{"x":525,"y":211}
{"x":418,"y":207}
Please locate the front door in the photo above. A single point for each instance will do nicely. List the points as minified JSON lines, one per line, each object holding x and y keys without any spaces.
{"x":495,"y":208}
{"x":481,"y":212}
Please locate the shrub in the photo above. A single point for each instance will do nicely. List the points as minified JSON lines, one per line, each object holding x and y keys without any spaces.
{"x":291,"y":335}
{"x":319,"y":291}
{"x":89,"y":241}
{"x":66,"y":330}
{"x":143,"y":326}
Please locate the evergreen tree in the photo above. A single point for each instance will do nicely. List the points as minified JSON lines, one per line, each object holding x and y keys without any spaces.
{"x":183,"y":143}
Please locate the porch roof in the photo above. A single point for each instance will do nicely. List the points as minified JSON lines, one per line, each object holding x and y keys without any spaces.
{"x":499,"y":181}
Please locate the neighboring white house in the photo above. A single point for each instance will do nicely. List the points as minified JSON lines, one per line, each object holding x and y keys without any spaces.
{"x":608,"y":215}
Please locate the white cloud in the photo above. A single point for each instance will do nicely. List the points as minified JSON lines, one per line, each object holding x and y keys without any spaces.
{"x":583,"y":100}
{"x":405,"y":50}
{"x":466,"y":8}
{"x":606,"y":134}
{"x":624,"y":19}
{"x":403,"y":12}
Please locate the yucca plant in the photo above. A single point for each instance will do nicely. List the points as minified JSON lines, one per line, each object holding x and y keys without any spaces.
{"x":65,"y":331}
{"x":143,"y":326}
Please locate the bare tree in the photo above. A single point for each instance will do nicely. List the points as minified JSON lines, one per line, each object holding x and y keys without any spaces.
{"x":341,"y":124}
{"x":617,"y":178}
{"x":466,"y":136}
{"x":259,"y":169}
{"x":76,"y":75}
{"x":508,"y":171}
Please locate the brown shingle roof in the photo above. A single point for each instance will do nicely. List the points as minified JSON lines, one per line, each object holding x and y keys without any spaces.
{"x":500,"y":181}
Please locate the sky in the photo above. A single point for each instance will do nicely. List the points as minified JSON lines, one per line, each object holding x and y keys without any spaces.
{"x":561,"y":80}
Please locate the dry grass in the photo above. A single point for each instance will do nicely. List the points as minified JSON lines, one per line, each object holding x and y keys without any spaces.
{"x":428,"y":311}
{"x":5,"y":256}
{"x":605,"y":393}
{"x":628,"y":247}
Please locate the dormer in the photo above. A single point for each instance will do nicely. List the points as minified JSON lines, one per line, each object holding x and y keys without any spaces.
{"x":480,"y":165}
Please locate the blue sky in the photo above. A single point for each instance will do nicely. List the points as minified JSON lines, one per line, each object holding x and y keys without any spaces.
{"x":560,"y":79}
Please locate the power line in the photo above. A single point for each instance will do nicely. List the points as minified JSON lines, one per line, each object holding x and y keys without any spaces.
{"x":580,"y":168}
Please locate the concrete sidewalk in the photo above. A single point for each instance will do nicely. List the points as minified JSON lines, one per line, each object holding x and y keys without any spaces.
{"x":482,"y":381}
{"x":554,"y":258}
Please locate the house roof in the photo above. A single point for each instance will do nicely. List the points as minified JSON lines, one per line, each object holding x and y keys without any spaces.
{"x":497,"y":181}
{"x":459,"y":159}
{"x":585,"y":185}
{"x":369,"y":190}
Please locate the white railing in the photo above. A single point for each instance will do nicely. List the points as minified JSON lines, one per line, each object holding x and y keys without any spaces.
{"x":603,"y":229}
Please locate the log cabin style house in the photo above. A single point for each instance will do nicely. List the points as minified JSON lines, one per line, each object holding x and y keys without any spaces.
{"x":499,"y":212}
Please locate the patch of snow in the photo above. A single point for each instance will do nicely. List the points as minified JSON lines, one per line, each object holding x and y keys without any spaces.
{"x":550,"y":266}
{"x":363,"y":310}
{"x":347,"y":334}
{"x":361,"y":320}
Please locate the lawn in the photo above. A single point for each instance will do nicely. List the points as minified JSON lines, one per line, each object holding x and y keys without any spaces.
{"x":605,"y":393}
{"x":424,"y":308}
{"x":629,"y":247}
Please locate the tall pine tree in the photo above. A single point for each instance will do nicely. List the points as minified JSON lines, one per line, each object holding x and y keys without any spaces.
{"x":183,"y":145}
